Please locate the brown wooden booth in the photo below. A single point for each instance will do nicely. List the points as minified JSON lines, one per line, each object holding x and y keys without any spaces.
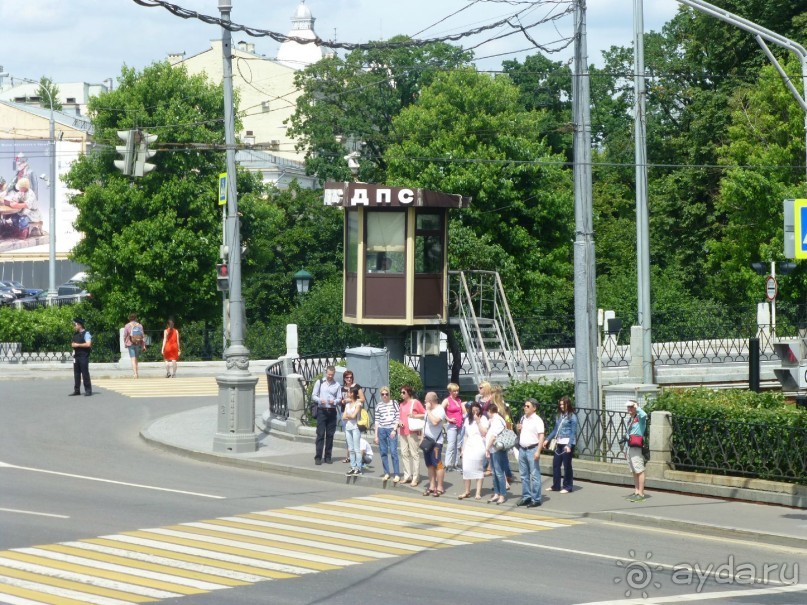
{"x":396,"y":264}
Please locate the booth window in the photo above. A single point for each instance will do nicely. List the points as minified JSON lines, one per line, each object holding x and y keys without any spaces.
{"x":352,"y":244}
{"x":386,"y":241}
{"x":429,"y":243}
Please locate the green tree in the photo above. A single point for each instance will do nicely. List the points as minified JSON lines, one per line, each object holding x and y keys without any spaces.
{"x":352,"y":101}
{"x":47,"y":92}
{"x":152,"y":242}
{"x":766,"y":153}
{"x":467,"y":134}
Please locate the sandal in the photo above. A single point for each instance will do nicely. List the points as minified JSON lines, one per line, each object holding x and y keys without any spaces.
{"x":477,"y":497}
{"x":427,"y":492}
{"x":463,"y":496}
{"x":437,"y":493}
{"x":346,"y":461}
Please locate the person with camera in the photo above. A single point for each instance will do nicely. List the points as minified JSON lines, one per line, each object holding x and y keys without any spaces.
{"x":635,"y":442}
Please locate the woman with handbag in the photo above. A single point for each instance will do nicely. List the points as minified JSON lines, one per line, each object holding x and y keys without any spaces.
{"x":475,"y":428}
{"x":432,"y":445}
{"x":497,"y":397}
{"x":564,"y":436}
{"x":411,"y":426}
{"x":637,"y":419}
{"x":352,"y":434}
{"x":497,"y":457}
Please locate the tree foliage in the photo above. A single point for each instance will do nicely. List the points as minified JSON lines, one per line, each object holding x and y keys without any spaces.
{"x":152,"y":242}
{"x":467,"y":134}
{"x":48,"y":94}
{"x":352,"y":101}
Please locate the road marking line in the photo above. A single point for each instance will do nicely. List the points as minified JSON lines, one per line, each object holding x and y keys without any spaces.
{"x":15,"y":600}
{"x":111,"y":481}
{"x":179,"y":546}
{"x":52,"y":594}
{"x":750,"y":592}
{"x":236,"y":577}
{"x":30,"y":512}
{"x":121,"y":569}
{"x":653,"y":564}
{"x":67,"y":584}
{"x":306,"y":558}
{"x":364,"y":554}
{"x":56,"y":572}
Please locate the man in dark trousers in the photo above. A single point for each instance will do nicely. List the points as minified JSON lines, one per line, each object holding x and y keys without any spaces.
{"x":82,"y":346}
{"x":327,"y":396}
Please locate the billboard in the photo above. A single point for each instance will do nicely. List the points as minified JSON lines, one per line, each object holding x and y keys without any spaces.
{"x":25,"y":226}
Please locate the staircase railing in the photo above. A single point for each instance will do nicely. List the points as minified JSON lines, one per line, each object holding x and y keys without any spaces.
{"x":485,"y":303}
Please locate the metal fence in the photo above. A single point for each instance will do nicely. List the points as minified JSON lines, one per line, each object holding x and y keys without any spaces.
{"x":726,"y":447}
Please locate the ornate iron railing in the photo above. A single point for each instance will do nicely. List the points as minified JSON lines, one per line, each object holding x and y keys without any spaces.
{"x":744,"y":449}
{"x":276,"y":384}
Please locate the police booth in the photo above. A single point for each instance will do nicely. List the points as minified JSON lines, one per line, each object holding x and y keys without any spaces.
{"x":395,"y":259}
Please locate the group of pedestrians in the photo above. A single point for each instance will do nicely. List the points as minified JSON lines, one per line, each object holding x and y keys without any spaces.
{"x":466,"y":433}
{"x":134,"y":340}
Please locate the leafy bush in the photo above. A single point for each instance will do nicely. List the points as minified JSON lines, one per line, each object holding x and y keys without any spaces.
{"x":545,"y":392}
{"x":401,"y":374}
{"x":735,"y":432}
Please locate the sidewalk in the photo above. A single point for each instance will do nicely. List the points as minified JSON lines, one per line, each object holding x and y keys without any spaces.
{"x":191,"y":433}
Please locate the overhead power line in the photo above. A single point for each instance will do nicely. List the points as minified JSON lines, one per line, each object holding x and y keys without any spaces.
{"x":510,"y":21}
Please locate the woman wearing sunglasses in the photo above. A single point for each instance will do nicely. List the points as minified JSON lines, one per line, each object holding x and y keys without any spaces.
{"x":410,"y":439}
{"x":387,"y":419}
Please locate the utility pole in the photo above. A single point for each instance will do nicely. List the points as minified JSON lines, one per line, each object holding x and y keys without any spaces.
{"x":236,"y":415}
{"x":586,"y":356}
{"x":642,"y":218}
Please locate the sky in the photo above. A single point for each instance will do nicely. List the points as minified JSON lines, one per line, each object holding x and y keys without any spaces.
{"x":90,"y":40}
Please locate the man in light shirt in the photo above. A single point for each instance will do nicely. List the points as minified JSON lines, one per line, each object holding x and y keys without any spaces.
{"x":531,"y":436}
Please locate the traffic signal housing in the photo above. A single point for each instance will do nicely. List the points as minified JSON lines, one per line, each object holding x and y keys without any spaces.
{"x":127,"y":151}
{"x":222,"y":277}
{"x":141,"y":165}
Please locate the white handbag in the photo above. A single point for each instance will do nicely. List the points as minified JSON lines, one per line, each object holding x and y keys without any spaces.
{"x":415,"y":424}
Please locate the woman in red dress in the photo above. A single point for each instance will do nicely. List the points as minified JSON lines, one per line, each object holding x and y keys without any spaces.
{"x":170,"y":349}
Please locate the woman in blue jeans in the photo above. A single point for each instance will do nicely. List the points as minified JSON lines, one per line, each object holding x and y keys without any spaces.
{"x":352,"y":433}
{"x":387,"y":417}
{"x":498,"y":458}
{"x":565,"y":434}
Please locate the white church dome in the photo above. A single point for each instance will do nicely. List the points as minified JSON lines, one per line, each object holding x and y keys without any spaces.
{"x":293,"y":54}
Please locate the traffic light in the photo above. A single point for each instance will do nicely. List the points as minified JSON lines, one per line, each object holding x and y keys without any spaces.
{"x":141,"y":166}
{"x":222,"y":277}
{"x":127,"y":151}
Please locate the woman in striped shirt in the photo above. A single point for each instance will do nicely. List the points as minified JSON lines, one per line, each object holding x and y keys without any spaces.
{"x":387,"y":417}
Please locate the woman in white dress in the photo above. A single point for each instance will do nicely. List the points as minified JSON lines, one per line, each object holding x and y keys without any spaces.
{"x":473,"y":450}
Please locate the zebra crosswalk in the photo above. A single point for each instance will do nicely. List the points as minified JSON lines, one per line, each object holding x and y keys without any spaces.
{"x":193,"y":386}
{"x":159,"y":563}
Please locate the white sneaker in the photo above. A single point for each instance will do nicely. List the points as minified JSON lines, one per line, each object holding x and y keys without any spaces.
{"x":564,"y":491}
{"x":396,"y":479}
{"x":385,"y":477}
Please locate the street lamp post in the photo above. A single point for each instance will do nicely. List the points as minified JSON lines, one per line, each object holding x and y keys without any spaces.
{"x":302,"y":281}
{"x":236,"y":418}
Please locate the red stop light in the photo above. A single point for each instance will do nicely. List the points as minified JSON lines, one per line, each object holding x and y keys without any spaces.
{"x":222,"y":277}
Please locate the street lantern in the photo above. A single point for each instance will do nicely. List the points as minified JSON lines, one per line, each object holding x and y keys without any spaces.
{"x":302,"y":279}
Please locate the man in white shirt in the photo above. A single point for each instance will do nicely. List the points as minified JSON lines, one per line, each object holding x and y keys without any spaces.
{"x":531,"y":436}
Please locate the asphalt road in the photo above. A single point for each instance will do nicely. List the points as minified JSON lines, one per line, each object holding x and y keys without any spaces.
{"x":74,"y":469}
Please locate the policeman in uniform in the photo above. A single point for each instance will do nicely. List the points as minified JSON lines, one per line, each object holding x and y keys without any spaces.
{"x":82,"y":346}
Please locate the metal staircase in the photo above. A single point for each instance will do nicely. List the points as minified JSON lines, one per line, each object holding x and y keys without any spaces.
{"x":479,"y":308}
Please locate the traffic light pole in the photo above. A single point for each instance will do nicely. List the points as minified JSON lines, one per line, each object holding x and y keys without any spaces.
{"x":236,"y":411}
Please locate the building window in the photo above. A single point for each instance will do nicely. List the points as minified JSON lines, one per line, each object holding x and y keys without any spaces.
{"x":429,"y":242}
{"x":352,"y":244}
{"x":386,"y":242}
{"x":264,"y":106}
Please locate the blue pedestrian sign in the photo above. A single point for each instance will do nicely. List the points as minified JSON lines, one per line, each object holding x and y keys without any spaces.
{"x":223,"y":189}
{"x":800,"y":215}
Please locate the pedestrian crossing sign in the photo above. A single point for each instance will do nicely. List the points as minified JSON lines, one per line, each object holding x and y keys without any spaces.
{"x":223,"y":189}
{"x":800,"y":217}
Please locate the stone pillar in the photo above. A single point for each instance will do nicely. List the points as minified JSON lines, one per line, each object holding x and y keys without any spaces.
{"x":635,"y":369}
{"x":291,"y":341}
{"x":660,"y":441}
{"x":295,"y":402}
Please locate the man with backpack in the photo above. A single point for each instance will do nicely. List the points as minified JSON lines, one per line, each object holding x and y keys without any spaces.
{"x":134,"y":339}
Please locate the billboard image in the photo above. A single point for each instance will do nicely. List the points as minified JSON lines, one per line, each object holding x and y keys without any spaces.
{"x":25,"y":195}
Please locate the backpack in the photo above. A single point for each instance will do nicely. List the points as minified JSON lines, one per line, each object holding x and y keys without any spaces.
{"x":364,"y":419}
{"x":136,"y":335}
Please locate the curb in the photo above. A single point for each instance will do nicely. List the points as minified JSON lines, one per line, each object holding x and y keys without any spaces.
{"x":717,"y":531}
